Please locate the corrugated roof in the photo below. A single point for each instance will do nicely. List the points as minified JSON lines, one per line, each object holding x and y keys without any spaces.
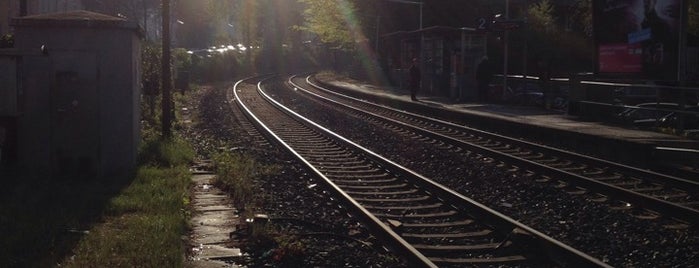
{"x":75,"y":15}
{"x":76,"y":18}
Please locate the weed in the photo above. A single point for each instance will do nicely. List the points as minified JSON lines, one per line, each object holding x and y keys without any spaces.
{"x":273,"y":246}
{"x":165,"y":153}
{"x":236,"y":173}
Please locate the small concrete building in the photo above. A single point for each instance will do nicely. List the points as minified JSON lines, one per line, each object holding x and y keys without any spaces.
{"x":78,"y":105}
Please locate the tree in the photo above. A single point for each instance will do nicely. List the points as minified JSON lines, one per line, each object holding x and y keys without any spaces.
{"x":693,"y":17}
{"x":581,"y":16}
{"x":334,"y":22}
{"x":540,"y":17}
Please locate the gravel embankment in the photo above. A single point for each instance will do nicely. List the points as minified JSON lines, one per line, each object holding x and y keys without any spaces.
{"x":613,"y":236}
{"x":313,"y":231}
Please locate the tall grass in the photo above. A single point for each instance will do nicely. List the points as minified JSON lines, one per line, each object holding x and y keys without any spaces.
{"x":165,"y":153}
{"x":128,"y":221}
{"x":143,"y":225}
{"x":42,"y":219}
{"x":236,"y":173}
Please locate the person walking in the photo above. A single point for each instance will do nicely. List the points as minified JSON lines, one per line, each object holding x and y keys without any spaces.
{"x":414,"y":79}
{"x":484,"y":75}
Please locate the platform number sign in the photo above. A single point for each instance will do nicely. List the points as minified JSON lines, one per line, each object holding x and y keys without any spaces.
{"x":483,"y":24}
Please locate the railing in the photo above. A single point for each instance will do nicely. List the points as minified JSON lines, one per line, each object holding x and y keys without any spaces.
{"x":532,"y":90}
{"x":651,"y":104}
{"x":642,"y":104}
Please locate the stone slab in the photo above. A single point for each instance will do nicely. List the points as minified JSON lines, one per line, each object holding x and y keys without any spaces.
{"x":206,"y":263}
{"x":215,"y":219}
{"x":216,"y":252}
{"x":210,"y":239}
{"x":215,"y":208}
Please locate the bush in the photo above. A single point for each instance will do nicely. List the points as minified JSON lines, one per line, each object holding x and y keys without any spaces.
{"x":165,"y":153}
{"x":7,"y":41}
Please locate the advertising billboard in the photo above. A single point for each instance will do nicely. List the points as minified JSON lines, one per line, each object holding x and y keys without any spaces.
{"x":638,"y":37}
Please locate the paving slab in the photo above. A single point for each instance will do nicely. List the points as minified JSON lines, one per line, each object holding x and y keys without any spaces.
{"x":210,"y":239}
{"x":213,"y":220}
{"x":207,"y":263}
{"x":214,"y":252}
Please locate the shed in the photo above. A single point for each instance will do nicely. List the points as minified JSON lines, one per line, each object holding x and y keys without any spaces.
{"x":449,"y":58}
{"x":80,"y":112}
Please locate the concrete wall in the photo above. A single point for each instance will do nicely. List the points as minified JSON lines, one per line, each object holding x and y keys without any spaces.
{"x":8,"y":86}
{"x":4,"y":17}
{"x":114,"y":54}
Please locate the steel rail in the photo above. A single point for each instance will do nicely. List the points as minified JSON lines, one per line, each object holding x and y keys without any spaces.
{"x":386,"y":233}
{"x":555,"y":249}
{"x":673,"y":209}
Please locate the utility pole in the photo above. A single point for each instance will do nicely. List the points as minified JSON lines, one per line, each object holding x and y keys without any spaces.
{"x":505,"y":49}
{"x":166,"y":116}
{"x":526,"y":39}
{"x":145,"y":19}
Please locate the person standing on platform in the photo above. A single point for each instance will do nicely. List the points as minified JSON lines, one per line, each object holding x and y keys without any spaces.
{"x":484,"y":75}
{"x":414,"y":79}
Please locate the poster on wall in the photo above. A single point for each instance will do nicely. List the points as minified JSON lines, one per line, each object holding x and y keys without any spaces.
{"x":639,"y":37}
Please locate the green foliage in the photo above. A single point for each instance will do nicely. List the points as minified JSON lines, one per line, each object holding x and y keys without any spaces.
{"x":276,"y":247}
{"x":551,"y":44}
{"x":7,"y":41}
{"x":42,"y":219}
{"x":219,"y":67}
{"x":236,"y":173}
{"x":333,"y":22}
{"x":103,"y":223}
{"x":693,"y":17}
{"x":581,"y":17}
{"x":144,"y":224}
{"x":181,"y":60}
{"x":540,"y":17}
{"x":151,"y":55}
{"x":154,"y":191}
{"x":165,"y":153}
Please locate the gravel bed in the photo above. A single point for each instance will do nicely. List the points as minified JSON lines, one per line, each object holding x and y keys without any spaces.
{"x":612,"y":235}
{"x":310,"y":229}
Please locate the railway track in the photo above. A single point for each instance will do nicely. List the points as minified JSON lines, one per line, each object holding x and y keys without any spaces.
{"x":426,"y":222}
{"x":625,"y":186}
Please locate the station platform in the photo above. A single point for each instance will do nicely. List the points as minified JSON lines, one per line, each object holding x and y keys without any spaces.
{"x":641,"y":148}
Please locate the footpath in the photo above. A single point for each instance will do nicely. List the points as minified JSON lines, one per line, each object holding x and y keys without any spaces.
{"x":214,"y":220}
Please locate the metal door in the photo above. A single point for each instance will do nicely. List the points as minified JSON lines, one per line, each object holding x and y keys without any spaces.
{"x":75,"y":112}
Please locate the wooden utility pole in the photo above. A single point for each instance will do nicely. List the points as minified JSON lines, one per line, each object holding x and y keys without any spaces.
{"x":166,"y":83}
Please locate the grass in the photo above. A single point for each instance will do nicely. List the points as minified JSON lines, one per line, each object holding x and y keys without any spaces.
{"x":236,"y":173}
{"x":43,"y":219}
{"x":125,"y":222}
{"x":143,"y":225}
